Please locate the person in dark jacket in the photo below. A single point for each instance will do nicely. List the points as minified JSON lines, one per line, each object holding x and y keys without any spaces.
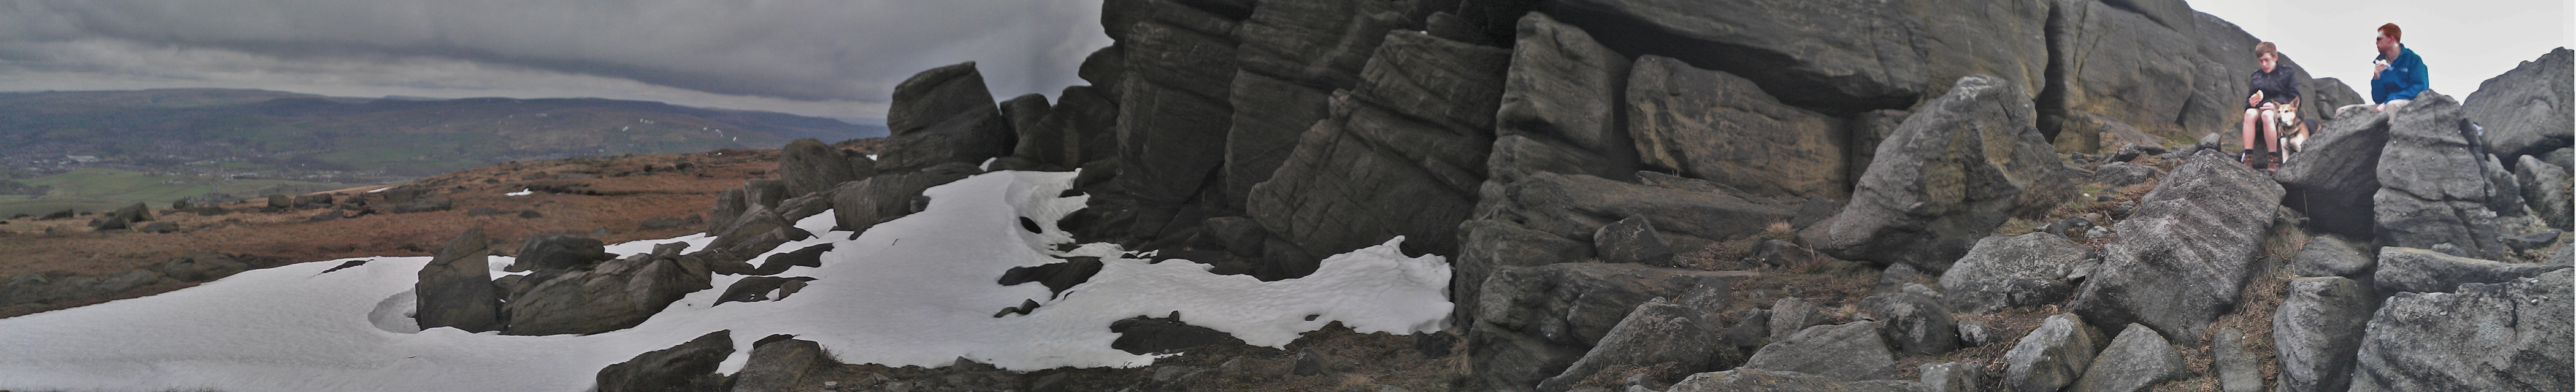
{"x":2276,"y":88}
{"x":2396,"y":75}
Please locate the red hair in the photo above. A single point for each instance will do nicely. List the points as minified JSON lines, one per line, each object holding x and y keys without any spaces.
{"x":2392,"y":32}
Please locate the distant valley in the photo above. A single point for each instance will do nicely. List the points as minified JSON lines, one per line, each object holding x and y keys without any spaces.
{"x":96,"y":150}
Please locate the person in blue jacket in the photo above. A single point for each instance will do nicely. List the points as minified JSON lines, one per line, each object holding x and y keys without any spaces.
{"x":2396,"y":75}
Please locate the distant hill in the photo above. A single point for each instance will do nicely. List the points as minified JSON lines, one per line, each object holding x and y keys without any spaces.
{"x":210,"y":136}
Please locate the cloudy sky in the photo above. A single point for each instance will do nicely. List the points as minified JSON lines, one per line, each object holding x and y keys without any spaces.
{"x":814,"y":57}
{"x":2463,"y":42}
{"x":843,"y":57}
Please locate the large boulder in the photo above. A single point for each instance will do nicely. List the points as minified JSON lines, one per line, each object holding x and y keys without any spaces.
{"x":2546,"y":188}
{"x":606,"y":297}
{"x":2187,"y":251}
{"x":455,"y":288}
{"x":1403,"y":154}
{"x":2002,"y":272}
{"x":2334,"y":173}
{"x":1834,"y":53}
{"x":559,"y":251}
{"x":688,"y":367}
{"x":2052,"y":356}
{"x":1656,"y":333}
{"x":2528,"y":110}
{"x":2509,"y":336}
{"x":1721,"y":127}
{"x":862,"y":204}
{"x":1533,"y":322}
{"x":2138,"y":359}
{"x":2403,"y":269}
{"x":2434,"y":189}
{"x":938,"y":116}
{"x":809,"y":166}
{"x":781,"y":363}
{"x":1850,"y":351}
{"x":1758,"y":380}
{"x":2315,"y":331}
{"x":1960,"y":166}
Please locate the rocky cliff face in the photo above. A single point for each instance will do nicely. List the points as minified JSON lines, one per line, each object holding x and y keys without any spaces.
{"x":1262,"y":136}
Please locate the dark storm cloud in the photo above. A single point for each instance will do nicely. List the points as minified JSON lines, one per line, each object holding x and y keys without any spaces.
{"x":829,"y":50}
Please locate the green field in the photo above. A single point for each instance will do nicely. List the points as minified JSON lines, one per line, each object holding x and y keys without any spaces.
{"x":107,"y":189}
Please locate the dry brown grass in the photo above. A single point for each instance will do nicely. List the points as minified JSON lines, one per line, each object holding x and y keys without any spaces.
{"x":291,"y":236}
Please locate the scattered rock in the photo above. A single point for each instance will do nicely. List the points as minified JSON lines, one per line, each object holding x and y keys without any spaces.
{"x":2002,"y":272}
{"x":2326,"y":255}
{"x":1973,"y":334}
{"x":1632,"y":240}
{"x":2119,"y":174}
{"x":1932,"y":190}
{"x":1533,"y":322}
{"x":1055,"y":276}
{"x":1914,"y":324}
{"x":1307,"y":363}
{"x":1949,"y":377}
{"x":1758,"y":380}
{"x":1850,"y":351}
{"x":1653,"y":334}
{"x":2404,"y":269}
{"x":1791,"y":315}
{"x":2545,"y":187}
{"x":2051,"y":357}
{"x":2138,"y":359}
{"x":2186,"y":253}
{"x":757,"y":288}
{"x":687,"y":367}
{"x":1144,"y":335}
{"x":2316,"y":330}
{"x":781,"y":363}
{"x":2471,"y":340}
{"x":455,"y":288}
{"x":2237,"y":368}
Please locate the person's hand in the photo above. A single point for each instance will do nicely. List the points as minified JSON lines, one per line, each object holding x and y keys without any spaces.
{"x":2256,"y":99}
{"x":2375,"y":67}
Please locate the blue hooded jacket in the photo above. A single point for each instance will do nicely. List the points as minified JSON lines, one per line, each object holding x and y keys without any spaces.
{"x":2404,"y":78}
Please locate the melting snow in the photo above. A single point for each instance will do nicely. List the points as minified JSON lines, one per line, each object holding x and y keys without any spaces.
{"x":914,"y":291}
{"x":521,"y":192}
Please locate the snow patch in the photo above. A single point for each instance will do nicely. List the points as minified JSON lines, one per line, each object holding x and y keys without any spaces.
{"x":521,"y":192}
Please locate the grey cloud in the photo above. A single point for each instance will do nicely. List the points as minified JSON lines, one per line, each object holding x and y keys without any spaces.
{"x":849,"y":50}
